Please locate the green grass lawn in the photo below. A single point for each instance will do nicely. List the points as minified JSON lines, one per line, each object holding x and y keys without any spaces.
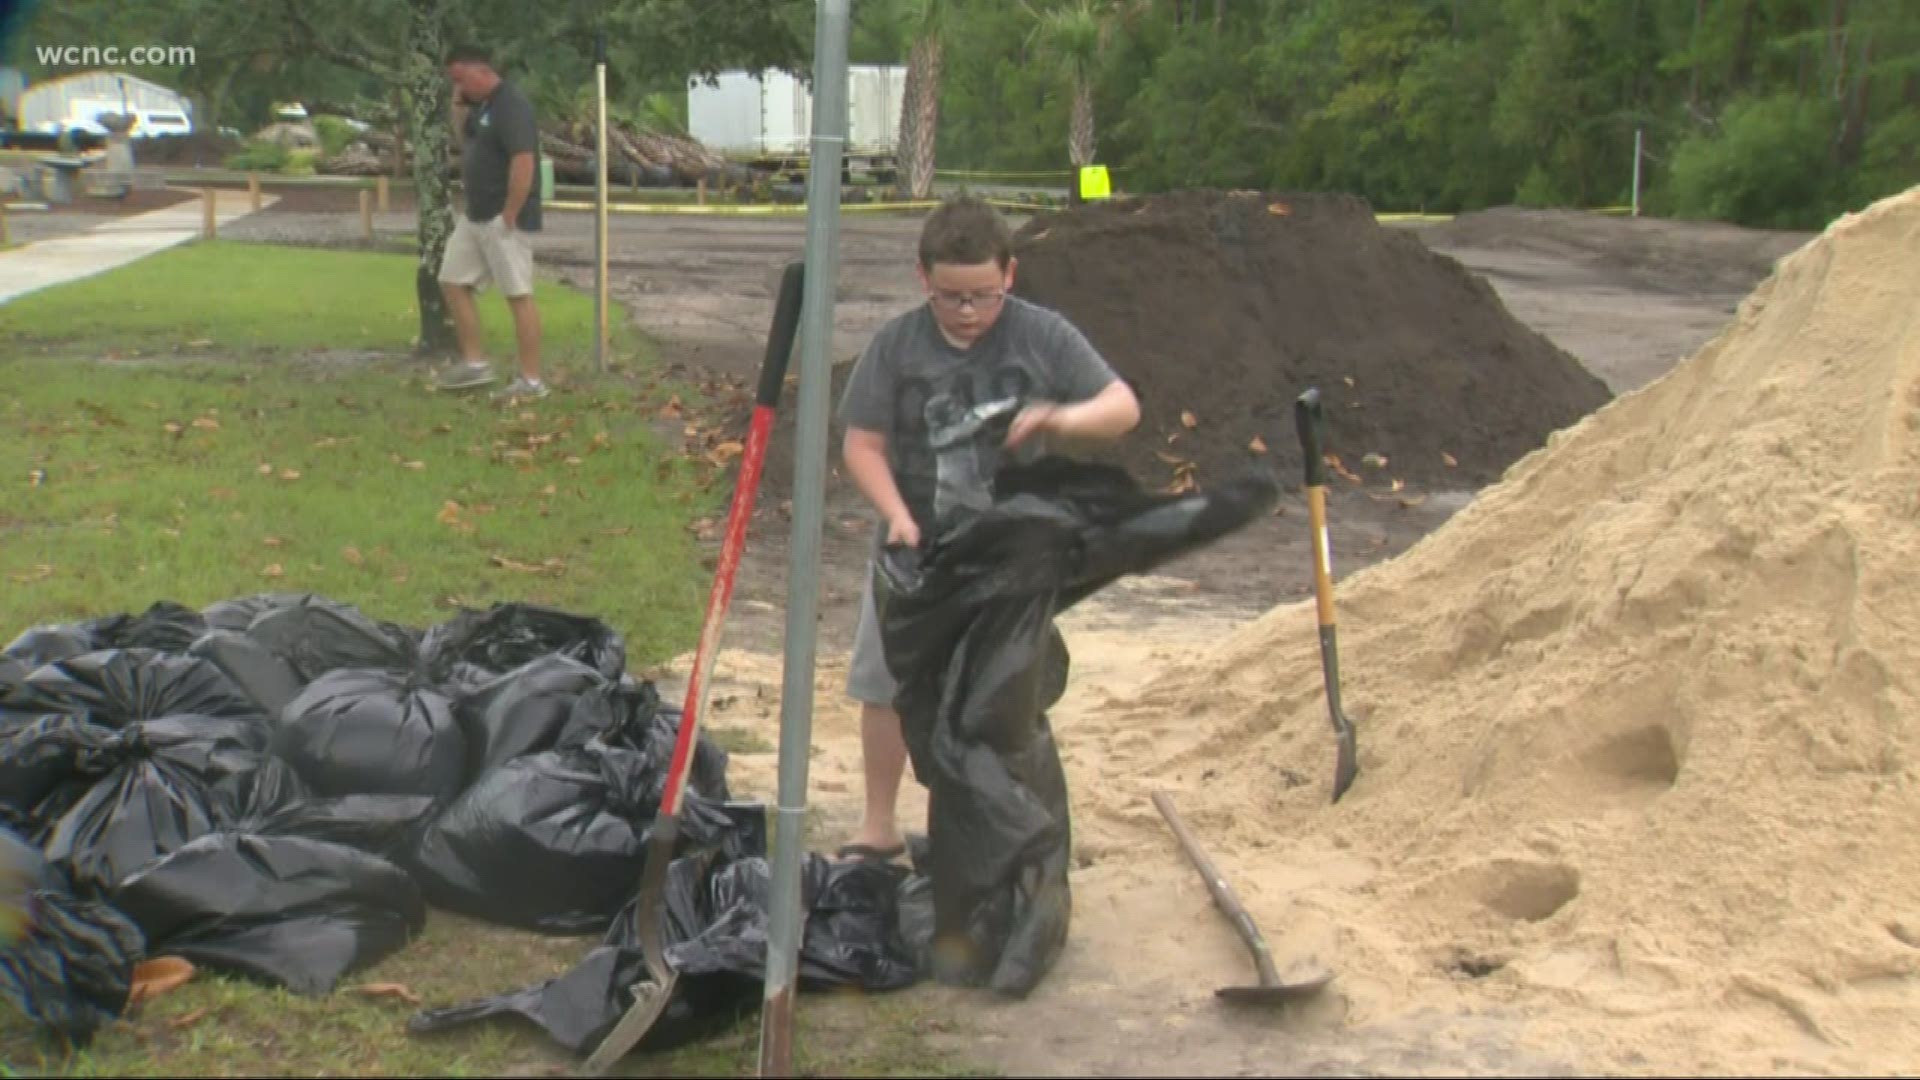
{"x":175,"y":430}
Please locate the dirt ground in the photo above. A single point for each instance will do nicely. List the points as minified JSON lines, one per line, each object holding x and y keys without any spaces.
{"x":1133,"y":993}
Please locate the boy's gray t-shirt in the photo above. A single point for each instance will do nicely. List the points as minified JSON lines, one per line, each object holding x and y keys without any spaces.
{"x":945,"y":411}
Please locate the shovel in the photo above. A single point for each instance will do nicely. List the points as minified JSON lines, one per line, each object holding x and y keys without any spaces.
{"x":1303,"y":980}
{"x":650,"y":998}
{"x":1308,"y":418}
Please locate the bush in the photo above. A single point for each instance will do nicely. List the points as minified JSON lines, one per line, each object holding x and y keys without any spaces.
{"x":260,"y":155}
{"x":301,"y":163}
{"x":335,"y":134}
{"x":1768,"y":166}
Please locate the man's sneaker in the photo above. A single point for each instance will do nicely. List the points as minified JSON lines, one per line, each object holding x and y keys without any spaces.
{"x":465,"y":376}
{"x":521,"y":389}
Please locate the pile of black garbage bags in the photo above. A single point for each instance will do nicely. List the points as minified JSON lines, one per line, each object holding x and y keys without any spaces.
{"x":280,"y":786}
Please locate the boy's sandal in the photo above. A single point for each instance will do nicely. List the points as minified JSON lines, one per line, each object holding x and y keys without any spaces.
{"x":868,"y":851}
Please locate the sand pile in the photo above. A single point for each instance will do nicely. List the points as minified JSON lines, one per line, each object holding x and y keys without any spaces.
{"x":1226,"y":306}
{"x":1638,"y":727}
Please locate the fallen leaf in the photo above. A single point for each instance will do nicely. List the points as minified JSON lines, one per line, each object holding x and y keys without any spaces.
{"x":171,"y":428}
{"x":550,"y":489}
{"x":1411,"y":501}
{"x":36,"y":477}
{"x":518,"y":455}
{"x":266,"y":469}
{"x":352,"y":555}
{"x":547,"y":566}
{"x":156,"y":976}
{"x":449,"y":513}
{"x":199,"y":343}
{"x":1349,"y":380}
{"x":574,"y":461}
{"x":621,"y":531}
{"x":1191,"y":421}
{"x":272,"y":541}
{"x":416,"y":466}
{"x":274,"y":570}
{"x":1399,"y":485}
{"x":1171,"y":459}
{"x":207,"y":423}
{"x":1334,"y":462}
{"x":289,"y":474}
{"x":1378,"y":461}
{"x":602,"y":440}
{"x":187,"y":1020}
{"x":1258,"y":445}
{"x":223,"y":493}
{"x":393,"y":990}
{"x":729,"y":450}
{"x":40,"y":572}
{"x":1279,"y":209}
{"x":443,"y":428}
{"x":1452,"y":462}
{"x":529,"y":414}
{"x":175,"y":533}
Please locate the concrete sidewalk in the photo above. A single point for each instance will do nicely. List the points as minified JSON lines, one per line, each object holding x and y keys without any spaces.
{"x":113,"y":243}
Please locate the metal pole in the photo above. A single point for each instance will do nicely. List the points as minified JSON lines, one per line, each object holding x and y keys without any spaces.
{"x":600,"y":207}
{"x":1636,"y":172}
{"x":809,"y":495}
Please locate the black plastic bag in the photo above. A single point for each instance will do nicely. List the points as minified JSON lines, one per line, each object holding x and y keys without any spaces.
{"x":239,"y":613}
{"x":40,"y":776}
{"x":265,"y":676}
{"x":153,"y":787}
{"x":507,"y":636}
{"x":317,"y":636}
{"x":579,"y":1008}
{"x":73,"y":970}
{"x":272,"y":801}
{"x":633,"y":716}
{"x":714,"y":927}
{"x":283,"y":910}
{"x":44,"y":645}
{"x":556,"y":841}
{"x":852,"y":935}
{"x":522,"y":711}
{"x":968,"y":631}
{"x":119,"y":686}
{"x":360,"y":732}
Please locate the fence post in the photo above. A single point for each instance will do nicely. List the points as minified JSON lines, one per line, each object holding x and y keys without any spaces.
{"x":210,"y":225}
{"x":1636,"y":172}
{"x":253,"y":190}
{"x":366,"y":214}
{"x":380,"y":186}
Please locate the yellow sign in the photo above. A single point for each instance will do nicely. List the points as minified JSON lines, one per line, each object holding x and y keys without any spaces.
{"x":1094,"y":183}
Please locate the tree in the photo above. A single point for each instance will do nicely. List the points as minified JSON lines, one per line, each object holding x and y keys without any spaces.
{"x":920,"y":110}
{"x":1071,"y":35}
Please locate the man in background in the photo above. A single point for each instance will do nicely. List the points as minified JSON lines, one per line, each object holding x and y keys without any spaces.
{"x":499,"y":158}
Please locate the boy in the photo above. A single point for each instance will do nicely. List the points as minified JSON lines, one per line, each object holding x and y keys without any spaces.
{"x":925,"y":412}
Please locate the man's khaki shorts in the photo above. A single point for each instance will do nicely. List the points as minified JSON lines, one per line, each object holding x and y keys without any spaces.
{"x":479,"y":253}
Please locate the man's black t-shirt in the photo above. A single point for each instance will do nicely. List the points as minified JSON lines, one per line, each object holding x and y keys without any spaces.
{"x":498,"y":128}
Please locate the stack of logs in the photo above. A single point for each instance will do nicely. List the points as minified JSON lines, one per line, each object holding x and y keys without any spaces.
{"x":634,"y":157}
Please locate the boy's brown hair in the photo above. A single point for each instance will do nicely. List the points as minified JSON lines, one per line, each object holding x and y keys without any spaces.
{"x":965,"y":231}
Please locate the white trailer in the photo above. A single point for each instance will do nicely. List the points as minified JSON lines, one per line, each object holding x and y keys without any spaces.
{"x":766,"y":118}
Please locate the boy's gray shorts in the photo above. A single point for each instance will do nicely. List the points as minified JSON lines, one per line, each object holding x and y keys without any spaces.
{"x":868,"y":680}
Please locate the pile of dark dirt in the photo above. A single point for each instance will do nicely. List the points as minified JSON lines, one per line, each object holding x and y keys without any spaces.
{"x":1221,"y":308}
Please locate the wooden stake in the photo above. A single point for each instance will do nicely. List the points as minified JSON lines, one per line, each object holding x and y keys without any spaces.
{"x":380,"y":186}
{"x":253,"y":189}
{"x":700,"y":190}
{"x":207,"y":197}
{"x":366,"y":214}
{"x":3,"y":224}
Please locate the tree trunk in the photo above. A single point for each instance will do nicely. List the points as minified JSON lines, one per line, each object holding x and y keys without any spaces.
{"x":1080,"y":141}
{"x":1853,"y":124}
{"x":1742,"y":72}
{"x":920,"y":118}
{"x":424,"y":90}
{"x":1693,"y":80}
{"x":1219,"y":15}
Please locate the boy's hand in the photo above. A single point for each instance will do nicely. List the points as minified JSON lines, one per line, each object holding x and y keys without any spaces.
{"x":903,"y":530}
{"x":1032,"y":420}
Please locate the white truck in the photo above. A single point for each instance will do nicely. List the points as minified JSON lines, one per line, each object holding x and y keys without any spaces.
{"x":766,"y":118}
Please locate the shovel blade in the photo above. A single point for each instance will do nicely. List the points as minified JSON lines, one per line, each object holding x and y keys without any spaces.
{"x":649,"y":1002}
{"x":1276,"y":994}
{"x":1346,"y":765}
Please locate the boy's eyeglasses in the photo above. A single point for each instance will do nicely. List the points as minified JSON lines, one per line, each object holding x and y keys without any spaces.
{"x":980,"y":301}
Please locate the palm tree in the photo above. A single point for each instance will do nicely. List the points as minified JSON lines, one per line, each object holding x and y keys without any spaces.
{"x":920,"y":110}
{"x":1073,"y":34}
